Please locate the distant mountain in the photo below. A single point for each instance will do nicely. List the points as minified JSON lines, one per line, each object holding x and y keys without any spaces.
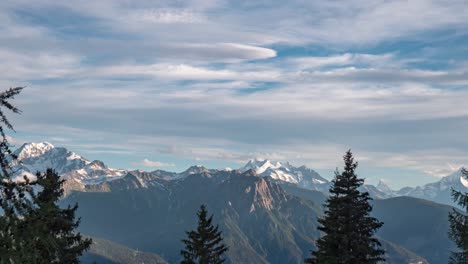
{"x":261,"y":221}
{"x":33,"y":157}
{"x":285,"y":172}
{"x":93,"y":175}
{"x":439,"y":191}
{"x":267,"y":210}
{"x":414,"y":225}
{"x":383,"y":187}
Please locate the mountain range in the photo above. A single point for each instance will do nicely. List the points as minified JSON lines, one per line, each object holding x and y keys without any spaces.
{"x":84,"y":174}
{"x":267,"y":210}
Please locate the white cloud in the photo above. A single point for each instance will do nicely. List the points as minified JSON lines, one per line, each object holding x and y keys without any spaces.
{"x":226,"y":52}
{"x":41,"y":65}
{"x":435,"y":162}
{"x":359,"y":23}
{"x":181,"y":69}
{"x":346,"y":59}
{"x":149,"y":163}
{"x":184,"y":72}
{"x":168,"y":16}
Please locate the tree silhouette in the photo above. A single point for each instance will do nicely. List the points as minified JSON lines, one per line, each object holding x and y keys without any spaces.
{"x":33,"y":229}
{"x":12,"y":193}
{"x":348,"y":229}
{"x":203,"y":245}
{"x":51,"y":228}
{"x":459,"y":225}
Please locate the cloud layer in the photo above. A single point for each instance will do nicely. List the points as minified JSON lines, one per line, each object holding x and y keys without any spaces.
{"x":219,"y":82}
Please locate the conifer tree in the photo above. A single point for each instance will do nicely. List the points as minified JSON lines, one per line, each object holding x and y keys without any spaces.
{"x":12,"y":193}
{"x":33,"y":229}
{"x":459,"y":225}
{"x":205,"y":244}
{"x":51,"y":229}
{"x":347,"y":226}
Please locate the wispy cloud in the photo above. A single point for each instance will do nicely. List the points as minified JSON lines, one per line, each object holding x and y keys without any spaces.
{"x":229,"y":81}
{"x":167,"y":15}
{"x":185,"y":72}
{"x":150,"y":163}
{"x":347,"y":59}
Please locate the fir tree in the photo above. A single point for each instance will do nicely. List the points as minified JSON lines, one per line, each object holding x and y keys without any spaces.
{"x":459,"y":225}
{"x":204,"y":245}
{"x":13,"y":202}
{"x":347,"y":226}
{"x":33,"y":229}
{"x":51,"y":228}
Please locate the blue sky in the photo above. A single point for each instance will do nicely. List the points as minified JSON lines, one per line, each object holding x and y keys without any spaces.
{"x":169,"y":84}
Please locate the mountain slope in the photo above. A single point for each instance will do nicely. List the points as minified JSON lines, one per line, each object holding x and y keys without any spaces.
{"x":33,"y":157}
{"x":264,"y":219}
{"x":261,"y":222}
{"x":85,"y":175}
{"x":285,"y":172}
{"x":257,"y":217}
{"x":106,"y":252}
{"x":398,"y":254}
{"x":439,"y":191}
{"x":418,"y":225}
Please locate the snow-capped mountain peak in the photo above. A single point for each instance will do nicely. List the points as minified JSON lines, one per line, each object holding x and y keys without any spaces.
{"x":260,"y":166}
{"x":285,"y":172}
{"x":197,"y":169}
{"x":29,"y":150}
{"x":439,"y":191}
{"x":383,"y":187}
{"x":33,"y":157}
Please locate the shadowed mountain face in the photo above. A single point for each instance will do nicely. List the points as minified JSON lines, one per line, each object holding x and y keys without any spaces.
{"x":87,"y":175}
{"x":261,"y":222}
{"x":417,"y":225}
{"x":267,"y":210}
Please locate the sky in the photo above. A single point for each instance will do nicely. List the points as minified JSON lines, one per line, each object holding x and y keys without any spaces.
{"x":169,"y":84}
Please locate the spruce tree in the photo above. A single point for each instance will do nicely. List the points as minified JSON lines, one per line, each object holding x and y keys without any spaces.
{"x":347,"y":226}
{"x":203,"y":245}
{"x":459,"y":225}
{"x":33,"y":229}
{"x":13,"y":201}
{"x":51,"y":229}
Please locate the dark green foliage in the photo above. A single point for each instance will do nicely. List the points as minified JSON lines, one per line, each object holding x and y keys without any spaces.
{"x":12,"y":193}
{"x":203,"y":245}
{"x":33,"y":229}
{"x":51,"y":235}
{"x":347,"y":226}
{"x":459,"y":225}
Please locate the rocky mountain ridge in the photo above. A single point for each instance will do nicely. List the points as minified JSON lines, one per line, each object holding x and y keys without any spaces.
{"x":85,"y":175}
{"x":265,"y":218}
